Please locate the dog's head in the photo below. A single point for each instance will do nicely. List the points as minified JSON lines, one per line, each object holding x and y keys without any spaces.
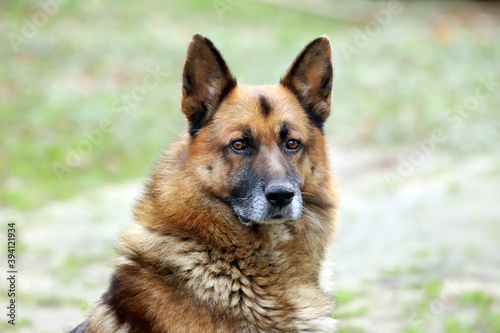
{"x":258,"y":149}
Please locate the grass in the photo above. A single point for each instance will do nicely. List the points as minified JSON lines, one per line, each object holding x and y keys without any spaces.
{"x":351,"y":330}
{"x":72,"y":266}
{"x":347,"y":296}
{"x":441,"y":308}
{"x":474,"y":311}
{"x":24,"y":322}
{"x":345,"y":310}
{"x":67,"y":79}
{"x":476,"y":298}
{"x":54,"y":301}
{"x":359,"y":312}
{"x":432,"y":288}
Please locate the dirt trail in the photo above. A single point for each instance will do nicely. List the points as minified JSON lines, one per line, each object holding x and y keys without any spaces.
{"x":439,"y":226}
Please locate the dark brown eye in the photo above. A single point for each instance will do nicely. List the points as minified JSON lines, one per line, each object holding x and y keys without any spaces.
{"x":238,"y":145}
{"x":292,"y":144}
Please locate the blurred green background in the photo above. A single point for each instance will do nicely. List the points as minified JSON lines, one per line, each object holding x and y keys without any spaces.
{"x":403,"y":70}
{"x":69,"y":76}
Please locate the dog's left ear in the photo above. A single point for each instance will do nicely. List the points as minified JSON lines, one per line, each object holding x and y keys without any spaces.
{"x":310,"y":79}
{"x":205,"y":82}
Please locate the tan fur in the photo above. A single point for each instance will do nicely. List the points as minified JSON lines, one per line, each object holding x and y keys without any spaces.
{"x":188,"y":264}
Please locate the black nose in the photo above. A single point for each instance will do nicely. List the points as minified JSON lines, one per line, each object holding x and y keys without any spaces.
{"x":279,"y":195}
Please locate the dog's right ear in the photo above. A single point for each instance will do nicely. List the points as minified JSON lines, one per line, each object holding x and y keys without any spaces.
{"x":205,"y":82}
{"x":310,"y":79}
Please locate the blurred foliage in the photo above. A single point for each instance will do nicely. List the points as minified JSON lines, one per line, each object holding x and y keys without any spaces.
{"x":68,"y":76}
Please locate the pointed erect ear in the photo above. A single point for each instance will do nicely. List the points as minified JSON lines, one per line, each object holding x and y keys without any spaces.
{"x":310,"y":79}
{"x":205,"y":82}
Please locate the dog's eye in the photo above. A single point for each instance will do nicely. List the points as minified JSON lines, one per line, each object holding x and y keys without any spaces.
{"x":292,"y":144}
{"x":239,"y":145}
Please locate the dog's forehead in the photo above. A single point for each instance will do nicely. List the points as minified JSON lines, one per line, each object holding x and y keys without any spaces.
{"x":263,"y":109}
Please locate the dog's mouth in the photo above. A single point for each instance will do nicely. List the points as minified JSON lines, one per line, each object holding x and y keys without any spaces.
{"x":244,"y":220}
{"x":277,"y":219}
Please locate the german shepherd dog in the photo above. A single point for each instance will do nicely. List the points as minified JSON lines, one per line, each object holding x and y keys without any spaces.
{"x":232,"y":230}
